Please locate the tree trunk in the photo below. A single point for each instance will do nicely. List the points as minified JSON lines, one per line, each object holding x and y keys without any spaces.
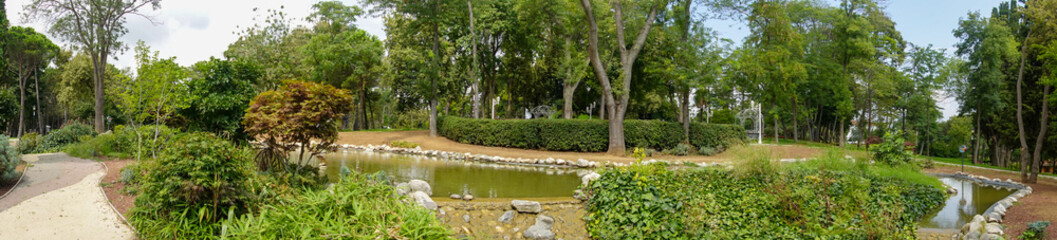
{"x":602,"y":108}
{"x":473,"y":70}
{"x":21,"y":104}
{"x":627,"y":59}
{"x":776,"y":129}
{"x":99,"y":66}
{"x":686,"y":115}
{"x":976,"y":139}
{"x":1043,"y":121}
{"x":433,"y":81}
{"x":568,"y":90}
{"x":796,"y":134}
{"x":40,"y":118}
{"x":363,"y":105}
{"x":841,"y":137}
{"x":1020,"y":112}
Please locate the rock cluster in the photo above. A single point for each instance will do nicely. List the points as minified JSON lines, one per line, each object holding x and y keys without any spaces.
{"x":418,"y":191}
{"x":580,"y":163}
{"x":988,"y":225}
{"x":542,"y":228}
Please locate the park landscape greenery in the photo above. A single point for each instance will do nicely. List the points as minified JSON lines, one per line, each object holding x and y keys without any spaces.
{"x":211,"y":139}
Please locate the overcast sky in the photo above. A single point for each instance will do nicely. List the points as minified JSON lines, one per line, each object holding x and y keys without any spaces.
{"x":194,"y":30}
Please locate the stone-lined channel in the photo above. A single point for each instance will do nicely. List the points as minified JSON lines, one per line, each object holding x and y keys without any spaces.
{"x":969,"y":200}
{"x":446,"y":176}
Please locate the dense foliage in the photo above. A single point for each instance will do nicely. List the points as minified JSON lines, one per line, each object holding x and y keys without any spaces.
{"x":820,"y":199}
{"x":54,"y":140}
{"x":299,"y":116}
{"x":584,"y":135}
{"x":124,"y":142}
{"x":188,"y":190}
{"x":352,"y":209}
{"x":221,"y":91}
{"x":9,"y":159}
{"x":892,"y":150}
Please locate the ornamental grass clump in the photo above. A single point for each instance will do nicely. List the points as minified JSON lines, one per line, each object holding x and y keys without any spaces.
{"x":190,"y":188}
{"x":358,"y":207}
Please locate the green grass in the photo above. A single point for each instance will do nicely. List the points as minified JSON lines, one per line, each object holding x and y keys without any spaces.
{"x":852,"y":147}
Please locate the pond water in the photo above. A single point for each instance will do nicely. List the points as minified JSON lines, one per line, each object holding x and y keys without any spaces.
{"x":446,"y":177}
{"x":971,"y":199}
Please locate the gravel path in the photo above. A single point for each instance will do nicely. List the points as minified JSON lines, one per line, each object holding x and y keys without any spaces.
{"x":59,"y":198}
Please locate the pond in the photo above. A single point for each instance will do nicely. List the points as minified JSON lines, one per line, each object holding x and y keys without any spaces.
{"x":971,"y":199}
{"x":446,"y":177}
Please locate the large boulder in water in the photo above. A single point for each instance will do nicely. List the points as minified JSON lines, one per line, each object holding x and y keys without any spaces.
{"x":423,"y":200}
{"x":420,"y":186}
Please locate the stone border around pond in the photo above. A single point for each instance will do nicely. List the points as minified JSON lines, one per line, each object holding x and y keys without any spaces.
{"x":988,"y":225}
{"x":546,"y":162}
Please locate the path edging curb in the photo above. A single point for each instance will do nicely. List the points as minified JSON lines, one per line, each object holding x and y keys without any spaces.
{"x":23,"y":175}
{"x":108,"y":203}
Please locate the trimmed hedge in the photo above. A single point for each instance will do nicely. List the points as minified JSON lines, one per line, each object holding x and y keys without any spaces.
{"x":583,"y":135}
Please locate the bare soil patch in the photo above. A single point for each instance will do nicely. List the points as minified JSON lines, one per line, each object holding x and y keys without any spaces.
{"x":422,"y":138}
{"x":114,"y":188}
{"x":1037,"y":206}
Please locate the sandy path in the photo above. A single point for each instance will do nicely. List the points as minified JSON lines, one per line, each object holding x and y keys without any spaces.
{"x":60,"y":199}
{"x":422,"y":138}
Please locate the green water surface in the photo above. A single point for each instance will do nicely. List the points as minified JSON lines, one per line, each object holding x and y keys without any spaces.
{"x":971,"y":199}
{"x":483,"y":180}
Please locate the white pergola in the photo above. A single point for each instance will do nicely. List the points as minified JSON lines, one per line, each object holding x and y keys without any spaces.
{"x":753,"y":113}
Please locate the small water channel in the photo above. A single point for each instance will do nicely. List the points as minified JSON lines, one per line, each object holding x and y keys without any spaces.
{"x":971,"y":199}
{"x":446,"y":177}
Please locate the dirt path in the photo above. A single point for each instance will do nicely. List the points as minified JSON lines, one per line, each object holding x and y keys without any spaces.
{"x":422,"y":138}
{"x":1037,"y":206}
{"x":59,"y":198}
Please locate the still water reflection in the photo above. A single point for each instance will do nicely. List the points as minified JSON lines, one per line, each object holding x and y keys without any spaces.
{"x":971,"y":199}
{"x":460,"y":177}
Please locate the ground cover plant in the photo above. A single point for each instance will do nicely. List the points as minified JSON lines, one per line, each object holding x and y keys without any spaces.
{"x":124,"y":142}
{"x":826,"y":198}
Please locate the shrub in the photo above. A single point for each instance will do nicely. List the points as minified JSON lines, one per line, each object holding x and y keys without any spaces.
{"x":718,"y":136}
{"x":652,"y":134}
{"x":29,"y":143}
{"x":221,"y":91}
{"x":300,"y":116}
{"x":582,"y":134}
{"x":358,"y":208}
{"x":892,"y":151}
{"x":189,"y":189}
{"x":403,"y":144}
{"x":841,"y":200}
{"x":9,"y":159}
{"x":66,"y":135}
{"x":706,"y":151}
{"x":122,"y":142}
{"x":680,"y":150}
{"x":1035,"y":230}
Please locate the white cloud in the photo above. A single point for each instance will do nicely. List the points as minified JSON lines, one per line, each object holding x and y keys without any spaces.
{"x":194,"y":30}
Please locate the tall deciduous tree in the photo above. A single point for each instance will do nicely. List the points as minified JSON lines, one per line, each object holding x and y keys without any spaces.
{"x":773,"y":58}
{"x":27,"y":53}
{"x":989,"y":46}
{"x":95,"y":26}
{"x":344,"y":55}
{"x":616,"y":93}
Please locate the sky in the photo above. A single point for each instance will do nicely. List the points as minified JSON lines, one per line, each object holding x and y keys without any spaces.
{"x":195,"y":30}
